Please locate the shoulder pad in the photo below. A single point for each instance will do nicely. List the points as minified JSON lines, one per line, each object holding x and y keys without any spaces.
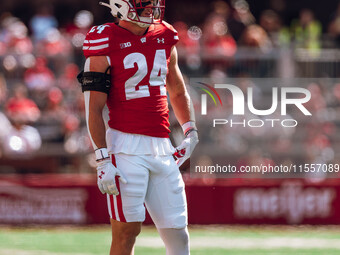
{"x":170,"y":32}
{"x":168,"y":26}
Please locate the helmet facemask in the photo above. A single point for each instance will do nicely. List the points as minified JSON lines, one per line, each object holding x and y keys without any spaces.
{"x":133,"y":11}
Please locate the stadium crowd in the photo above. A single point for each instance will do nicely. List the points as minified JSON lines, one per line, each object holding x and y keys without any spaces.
{"x":41,"y":102}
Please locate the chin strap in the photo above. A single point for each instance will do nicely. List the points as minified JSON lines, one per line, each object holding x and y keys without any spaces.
{"x":141,"y":24}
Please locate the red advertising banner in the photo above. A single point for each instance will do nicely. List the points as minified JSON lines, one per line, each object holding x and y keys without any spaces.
{"x":75,"y":199}
{"x":51,"y":199}
{"x":264,"y":202}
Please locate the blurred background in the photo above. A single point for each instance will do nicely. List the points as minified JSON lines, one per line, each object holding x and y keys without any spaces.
{"x":44,"y":144}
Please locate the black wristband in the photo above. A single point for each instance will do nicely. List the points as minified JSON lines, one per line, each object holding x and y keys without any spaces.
{"x":189,"y":131}
{"x":102,"y":159}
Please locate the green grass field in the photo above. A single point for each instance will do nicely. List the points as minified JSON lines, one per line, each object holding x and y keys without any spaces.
{"x":235,"y":240}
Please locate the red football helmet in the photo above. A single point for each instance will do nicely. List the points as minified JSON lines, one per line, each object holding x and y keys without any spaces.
{"x":142,"y":12}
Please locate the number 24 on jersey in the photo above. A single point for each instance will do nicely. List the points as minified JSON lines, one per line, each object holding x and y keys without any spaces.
{"x":157,"y":76}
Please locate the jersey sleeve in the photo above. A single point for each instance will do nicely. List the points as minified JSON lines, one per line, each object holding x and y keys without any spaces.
{"x":171,"y":33}
{"x":97,"y":41}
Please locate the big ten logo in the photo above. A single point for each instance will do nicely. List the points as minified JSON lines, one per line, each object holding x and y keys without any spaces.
{"x":125,"y":45}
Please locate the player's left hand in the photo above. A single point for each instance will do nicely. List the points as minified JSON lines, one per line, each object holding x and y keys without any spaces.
{"x":184,"y":150}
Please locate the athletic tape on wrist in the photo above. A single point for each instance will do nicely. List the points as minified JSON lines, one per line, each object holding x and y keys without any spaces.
{"x":188,"y":125}
{"x":101,"y":153}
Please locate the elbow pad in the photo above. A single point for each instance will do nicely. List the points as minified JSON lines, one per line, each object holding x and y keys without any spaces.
{"x":95,"y":81}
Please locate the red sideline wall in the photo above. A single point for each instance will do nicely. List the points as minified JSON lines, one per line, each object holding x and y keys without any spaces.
{"x":75,"y":199}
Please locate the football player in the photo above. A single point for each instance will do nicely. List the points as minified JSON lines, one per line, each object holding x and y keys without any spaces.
{"x":132,"y":67}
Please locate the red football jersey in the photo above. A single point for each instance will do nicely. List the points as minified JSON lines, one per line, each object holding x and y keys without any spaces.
{"x":137,"y":100}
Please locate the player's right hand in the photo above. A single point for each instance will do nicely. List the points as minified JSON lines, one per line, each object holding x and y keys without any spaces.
{"x":106,"y":173}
